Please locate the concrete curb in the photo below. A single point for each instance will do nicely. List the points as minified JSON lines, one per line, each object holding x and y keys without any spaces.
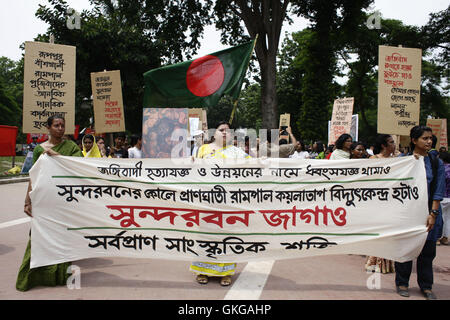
{"x":14,"y":180}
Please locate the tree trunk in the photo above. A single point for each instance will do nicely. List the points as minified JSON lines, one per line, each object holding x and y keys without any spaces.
{"x":269,"y":105}
{"x":265,"y":19}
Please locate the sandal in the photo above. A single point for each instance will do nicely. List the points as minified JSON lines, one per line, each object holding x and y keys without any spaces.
{"x":202,"y":279}
{"x":225,"y":281}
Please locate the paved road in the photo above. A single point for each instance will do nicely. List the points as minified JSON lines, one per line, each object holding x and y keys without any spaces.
{"x":340,"y":277}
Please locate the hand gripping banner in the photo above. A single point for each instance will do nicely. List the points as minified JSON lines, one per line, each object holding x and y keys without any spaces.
{"x":231,"y":210}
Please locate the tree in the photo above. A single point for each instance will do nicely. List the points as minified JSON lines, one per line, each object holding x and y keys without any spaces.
{"x":436,"y":33}
{"x":309,"y":62}
{"x":263,"y":19}
{"x":363,"y":71}
{"x":132,"y":36}
{"x":11,"y":94}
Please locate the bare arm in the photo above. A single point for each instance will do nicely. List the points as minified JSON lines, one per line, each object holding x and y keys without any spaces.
{"x":431,"y":220}
{"x":27,"y":206}
{"x":293,"y":140}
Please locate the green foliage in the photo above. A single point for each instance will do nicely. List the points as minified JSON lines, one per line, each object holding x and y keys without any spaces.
{"x":307,"y":92}
{"x":11,"y":95}
{"x":132,"y":36}
{"x":309,"y":64}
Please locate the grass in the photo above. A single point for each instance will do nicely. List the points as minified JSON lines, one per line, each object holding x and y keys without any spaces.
{"x":6,"y":164}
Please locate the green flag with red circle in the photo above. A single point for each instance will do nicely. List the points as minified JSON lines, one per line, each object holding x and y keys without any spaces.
{"x":200,"y":82}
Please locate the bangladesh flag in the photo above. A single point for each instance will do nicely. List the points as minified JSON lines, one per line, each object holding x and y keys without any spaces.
{"x":200,"y":82}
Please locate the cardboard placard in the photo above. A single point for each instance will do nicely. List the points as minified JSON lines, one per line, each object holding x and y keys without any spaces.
{"x":49,"y":85}
{"x":341,"y":119}
{"x":195,"y":120}
{"x":439,"y":127}
{"x":354,"y":130}
{"x":399,"y":72}
{"x":285,"y":121}
{"x":107,"y":99}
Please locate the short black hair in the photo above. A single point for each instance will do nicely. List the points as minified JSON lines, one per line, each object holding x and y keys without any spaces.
{"x":223,"y":122}
{"x":357,"y":143}
{"x":445,"y":156}
{"x":89,"y":136}
{"x":380,"y":141}
{"x":54,"y":117}
{"x":135,"y":138}
{"x":319,"y":146}
{"x":434,"y":141}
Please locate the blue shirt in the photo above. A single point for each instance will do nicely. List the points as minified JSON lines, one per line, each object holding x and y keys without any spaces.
{"x":435,"y":233}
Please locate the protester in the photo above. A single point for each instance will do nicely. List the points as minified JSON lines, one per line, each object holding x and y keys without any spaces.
{"x":119,"y":150}
{"x":357,"y":150}
{"x":51,"y":275}
{"x":248,"y":149}
{"x":136,"y":150}
{"x":90,"y":148}
{"x":318,"y":151}
{"x":370,"y":150}
{"x":300,"y":151}
{"x":421,"y":141}
{"x":329,"y":151}
{"x":384,"y":148}
{"x":220,"y":148}
{"x":343,"y":144}
{"x":279,"y":149}
{"x":104,"y":151}
{"x":28,"y":163}
{"x":433,"y":150}
{"x":445,"y":203}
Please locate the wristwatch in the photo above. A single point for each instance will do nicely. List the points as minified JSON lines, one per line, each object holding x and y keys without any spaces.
{"x":435,"y":212}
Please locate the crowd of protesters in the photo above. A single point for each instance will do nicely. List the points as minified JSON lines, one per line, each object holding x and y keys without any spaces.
{"x":222,"y":145}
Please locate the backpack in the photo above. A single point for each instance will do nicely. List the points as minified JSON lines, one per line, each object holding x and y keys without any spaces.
{"x":434,"y":167}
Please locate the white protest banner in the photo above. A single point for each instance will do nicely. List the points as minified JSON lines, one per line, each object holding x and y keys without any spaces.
{"x":341,"y":119}
{"x":195,"y":120}
{"x":399,"y":78}
{"x":226,"y":211}
{"x":49,"y":85}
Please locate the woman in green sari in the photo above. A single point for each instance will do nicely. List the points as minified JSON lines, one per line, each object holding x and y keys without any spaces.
{"x":52,"y":275}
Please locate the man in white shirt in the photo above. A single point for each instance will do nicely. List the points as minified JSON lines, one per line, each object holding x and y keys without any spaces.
{"x":136,"y":150}
{"x":279,"y":148}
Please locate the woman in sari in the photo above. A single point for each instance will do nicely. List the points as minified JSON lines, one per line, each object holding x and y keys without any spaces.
{"x":90,"y":147}
{"x":384,"y":148}
{"x":220,"y":148}
{"x":52,"y":275}
{"x":343,"y":144}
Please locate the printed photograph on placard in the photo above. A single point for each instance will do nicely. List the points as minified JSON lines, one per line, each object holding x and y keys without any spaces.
{"x":163,"y":130}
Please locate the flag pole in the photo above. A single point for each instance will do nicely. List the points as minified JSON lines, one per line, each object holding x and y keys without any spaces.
{"x":236,"y":102}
